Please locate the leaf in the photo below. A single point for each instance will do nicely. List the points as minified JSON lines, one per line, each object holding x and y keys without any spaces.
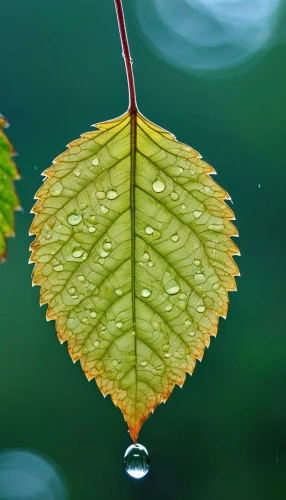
{"x":8,"y":198}
{"x":134,"y":257}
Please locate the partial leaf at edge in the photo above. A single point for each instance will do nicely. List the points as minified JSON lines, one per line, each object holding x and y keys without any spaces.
{"x":8,"y":198}
{"x":133,"y":253}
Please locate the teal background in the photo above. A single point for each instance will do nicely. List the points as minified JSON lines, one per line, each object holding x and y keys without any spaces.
{"x":223,"y":436}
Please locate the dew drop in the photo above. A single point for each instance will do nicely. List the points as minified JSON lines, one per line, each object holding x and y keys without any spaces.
{"x":104,"y":209}
{"x":48,"y":236}
{"x":150,"y":263}
{"x":167,"y":355}
{"x":93,"y":314}
{"x":114,"y":362}
{"x":149,"y":230}
{"x":56,"y":190}
{"x":199,"y":276}
{"x":188,"y":322}
{"x":74,"y":297}
{"x":144,"y":363}
{"x":96,"y":343}
{"x":100,"y":195}
{"x":77,"y":253}
{"x":182,"y":305}
{"x":183,"y":207}
{"x":59,"y":268}
{"x":107,"y":245}
{"x":207,"y":190}
{"x":197,"y":262}
{"x":216,"y":227}
{"x":92,"y":229}
{"x":74,"y":219}
{"x":145,"y":293}
{"x":175,"y":238}
{"x":174,"y":196}
{"x":197,"y":214}
{"x":158,"y":186}
{"x":95,"y":162}
{"x":77,"y":172}
{"x":103,"y":254}
{"x":136,"y":461}
{"x":192,"y":334}
{"x":216,"y":286}
{"x":177,"y":355}
{"x":101,"y":261}
{"x":182,"y":296}
{"x":201,"y":309}
{"x":169,"y":308}
{"x":84,"y":256}
{"x":166,"y":347}
{"x":119,"y":324}
{"x":172,"y":287}
{"x":118,"y":292}
{"x":82,"y":206}
{"x":72,"y":291}
{"x":111,"y":195}
{"x":146,"y":256}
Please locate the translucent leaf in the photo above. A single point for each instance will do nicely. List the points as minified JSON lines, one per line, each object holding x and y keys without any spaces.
{"x":134,"y":258}
{"x":8,"y":198}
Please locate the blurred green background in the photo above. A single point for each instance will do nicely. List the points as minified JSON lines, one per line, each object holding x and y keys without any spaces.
{"x":223,"y":436}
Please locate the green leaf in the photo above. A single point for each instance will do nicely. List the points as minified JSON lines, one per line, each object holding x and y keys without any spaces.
{"x":8,"y":198}
{"x":134,"y":257}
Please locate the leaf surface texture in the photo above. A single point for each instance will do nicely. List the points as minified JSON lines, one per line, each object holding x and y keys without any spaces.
{"x":133,"y":253}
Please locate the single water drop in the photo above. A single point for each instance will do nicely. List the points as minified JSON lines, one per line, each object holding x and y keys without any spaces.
{"x":167,"y":355}
{"x":77,"y":172}
{"x":48,"y":236}
{"x":107,"y":245}
{"x":150,"y":263}
{"x":95,"y":162}
{"x":180,"y":170}
{"x":172,"y":287}
{"x":169,"y":308}
{"x":188,"y":322}
{"x":59,"y":268}
{"x":207,"y":190}
{"x":199,"y":276}
{"x":93,"y":314}
{"x":81,"y":278}
{"x":175,"y":238}
{"x":82,"y":206}
{"x":216,"y":227}
{"x":145,"y":293}
{"x":159,"y":186}
{"x":100,"y":195}
{"x":96,"y":343}
{"x":146,"y":256}
{"x":101,"y":261}
{"x":144,"y":363}
{"x":216,"y":286}
{"x":201,"y":309}
{"x":183,"y":207}
{"x":166,"y":347}
{"x":197,"y":214}
{"x":56,"y":189}
{"x":174,"y":196}
{"x":74,"y":219}
{"x":111,"y":195}
{"x":149,"y":230}
{"x":136,"y":461}
{"x":77,"y":253}
{"x":103,"y":254}
{"x":119,"y":324}
{"x":192,"y":334}
{"x":197,"y":262}
{"x":92,"y":229}
{"x":84,"y":257}
{"x":104,"y":209}
{"x":118,"y":292}
{"x":72,"y":291}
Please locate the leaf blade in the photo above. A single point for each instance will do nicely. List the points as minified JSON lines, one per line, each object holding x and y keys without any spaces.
{"x":134,"y":257}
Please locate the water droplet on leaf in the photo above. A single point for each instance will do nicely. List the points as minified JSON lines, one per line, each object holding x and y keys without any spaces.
{"x":107,"y":245}
{"x":77,"y":253}
{"x":118,"y":292}
{"x":93,"y":314}
{"x":77,"y":172}
{"x":136,"y":461}
{"x":119,"y":324}
{"x":172,"y":287}
{"x":59,"y":268}
{"x":92,"y":229}
{"x":174,"y":196}
{"x":158,"y":186}
{"x":104,"y":209}
{"x":197,"y":214}
{"x":149,"y":230}
{"x":175,"y":238}
{"x":95,"y":162}
{"x":145,"y":293}
{"x":74,"y":219}
{"x":201,"y":309}
{"x":111,"y":195}
{"x":100,"y":195}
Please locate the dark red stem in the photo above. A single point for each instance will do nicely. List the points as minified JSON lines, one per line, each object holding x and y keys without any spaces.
{"x":126,"y":55}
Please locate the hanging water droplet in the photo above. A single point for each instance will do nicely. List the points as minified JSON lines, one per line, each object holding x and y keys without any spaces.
{"x":169,"y":308}
{"x":111,"y":195}
{"x":119,"y":324}
{"x":175,"y":238}
{"x":172,"y":287}
{"x":146,"y":256}
{"x":216,"y":227}
{"x":92,"y":229}
{"x":158,"y":186}
{"x":201,"y":309}
{"x":59,"y":268}
{"x":216,"y":286}
{"x":95,"y":162}
{"x":107,"y":245}
{"x":149,"y":230}
{"x":118,"y":292}
{"x":77,"y":253}
{"x":93,"y":314}
{"x":74,"y":219}
{"x":145,"y":293}
{"x":197,"y":214}
{"x":136,"y":461}
{"x":100,"y":195}
{"x":197,"y":262}
{"x":77,"y":172}
{"x":174,"y":196}
{"x":104,"y":209}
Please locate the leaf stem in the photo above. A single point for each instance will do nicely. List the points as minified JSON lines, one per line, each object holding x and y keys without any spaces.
{"x":126,"y":55}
